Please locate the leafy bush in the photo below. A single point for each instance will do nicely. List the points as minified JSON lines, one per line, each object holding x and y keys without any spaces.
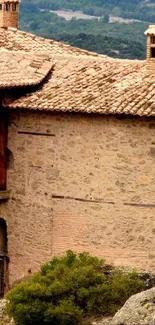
{"x":69,"y":289}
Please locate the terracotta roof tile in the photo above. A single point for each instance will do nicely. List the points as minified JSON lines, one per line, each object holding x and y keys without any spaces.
{"x":20,"y":69}
{"x":11,"y":1}
{"x":100,"y":85}
{"x":13,"y":39}
{"x":80,"y":81}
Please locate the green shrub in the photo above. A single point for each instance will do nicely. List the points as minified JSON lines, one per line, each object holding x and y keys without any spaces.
{"x":69,"y":289}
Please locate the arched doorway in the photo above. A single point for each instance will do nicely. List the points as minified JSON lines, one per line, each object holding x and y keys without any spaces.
{"x":3,"y":257}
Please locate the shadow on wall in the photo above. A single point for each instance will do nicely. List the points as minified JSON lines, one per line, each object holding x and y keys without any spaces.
{"x":3,"y":258}
{"x":10,"y":159}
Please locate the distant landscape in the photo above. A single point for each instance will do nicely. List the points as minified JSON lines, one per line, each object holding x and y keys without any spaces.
{"x":111,"y":27}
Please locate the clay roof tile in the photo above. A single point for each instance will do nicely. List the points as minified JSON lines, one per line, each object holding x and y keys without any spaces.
{"x":80,"y":81}
{"x":18,"y":69}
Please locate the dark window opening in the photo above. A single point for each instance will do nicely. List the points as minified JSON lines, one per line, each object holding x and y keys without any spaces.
{"x":10,"y":159}
{"x":152,"y":52}
{"x":3,"y":237}
{"x":7,"y":6}
{"x":3,"y":258}
{"x":0,"y":6}
{"x":14,"y":7}
{"x":152,"y":39}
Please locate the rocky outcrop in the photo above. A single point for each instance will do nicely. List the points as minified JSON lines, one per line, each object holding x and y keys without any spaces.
{"x":139,"y":309}
{"x":3,"y":303}
{"x":102,"y":321}
{"x":4,"y":319}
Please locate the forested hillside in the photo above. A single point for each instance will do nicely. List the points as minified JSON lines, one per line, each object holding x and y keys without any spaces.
{"x":135,"y":9}
{"x":118,"y":40}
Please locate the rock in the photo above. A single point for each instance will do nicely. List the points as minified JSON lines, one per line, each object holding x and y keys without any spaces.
{"x":3,"y":303}
{"x":4,"y":319}
{"x":103,"y":321}
{"x":139,"y":309}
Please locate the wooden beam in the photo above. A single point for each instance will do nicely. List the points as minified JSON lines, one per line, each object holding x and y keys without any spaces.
{"x":4,"y":195}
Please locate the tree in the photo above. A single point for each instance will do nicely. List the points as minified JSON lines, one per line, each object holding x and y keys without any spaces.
{"x":69,"y":289}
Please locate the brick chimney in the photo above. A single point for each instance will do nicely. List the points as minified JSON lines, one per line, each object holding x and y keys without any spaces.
{"x":150,"y":50}
{"x":9,"y":13}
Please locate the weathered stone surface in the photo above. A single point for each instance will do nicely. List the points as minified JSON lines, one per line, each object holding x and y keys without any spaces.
{"x":3,"y":303}
{"x":95,"y":194}
{"x":103,"y":321}
{"x":4,"y":319}
{"x":138,"y":310}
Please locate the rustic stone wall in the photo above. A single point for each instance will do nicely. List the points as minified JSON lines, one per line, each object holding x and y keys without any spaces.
{"x":81,"y":182}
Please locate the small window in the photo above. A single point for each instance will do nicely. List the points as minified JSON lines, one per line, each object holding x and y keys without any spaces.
{"x":14,"y":7}
{"x":0,"y":6}
{"x":152,"y":39}
{"x":7,"y":6}
{"x":152,"y":52}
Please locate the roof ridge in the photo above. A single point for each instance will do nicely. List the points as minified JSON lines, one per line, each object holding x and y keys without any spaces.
{"x":51,"y":41}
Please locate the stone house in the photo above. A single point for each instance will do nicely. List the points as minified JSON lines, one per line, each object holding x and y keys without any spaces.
{"x":77,"y":152}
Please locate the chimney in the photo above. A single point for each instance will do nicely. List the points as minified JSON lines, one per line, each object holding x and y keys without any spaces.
{"x":150,"y":50}
{"x":9,"y":13}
